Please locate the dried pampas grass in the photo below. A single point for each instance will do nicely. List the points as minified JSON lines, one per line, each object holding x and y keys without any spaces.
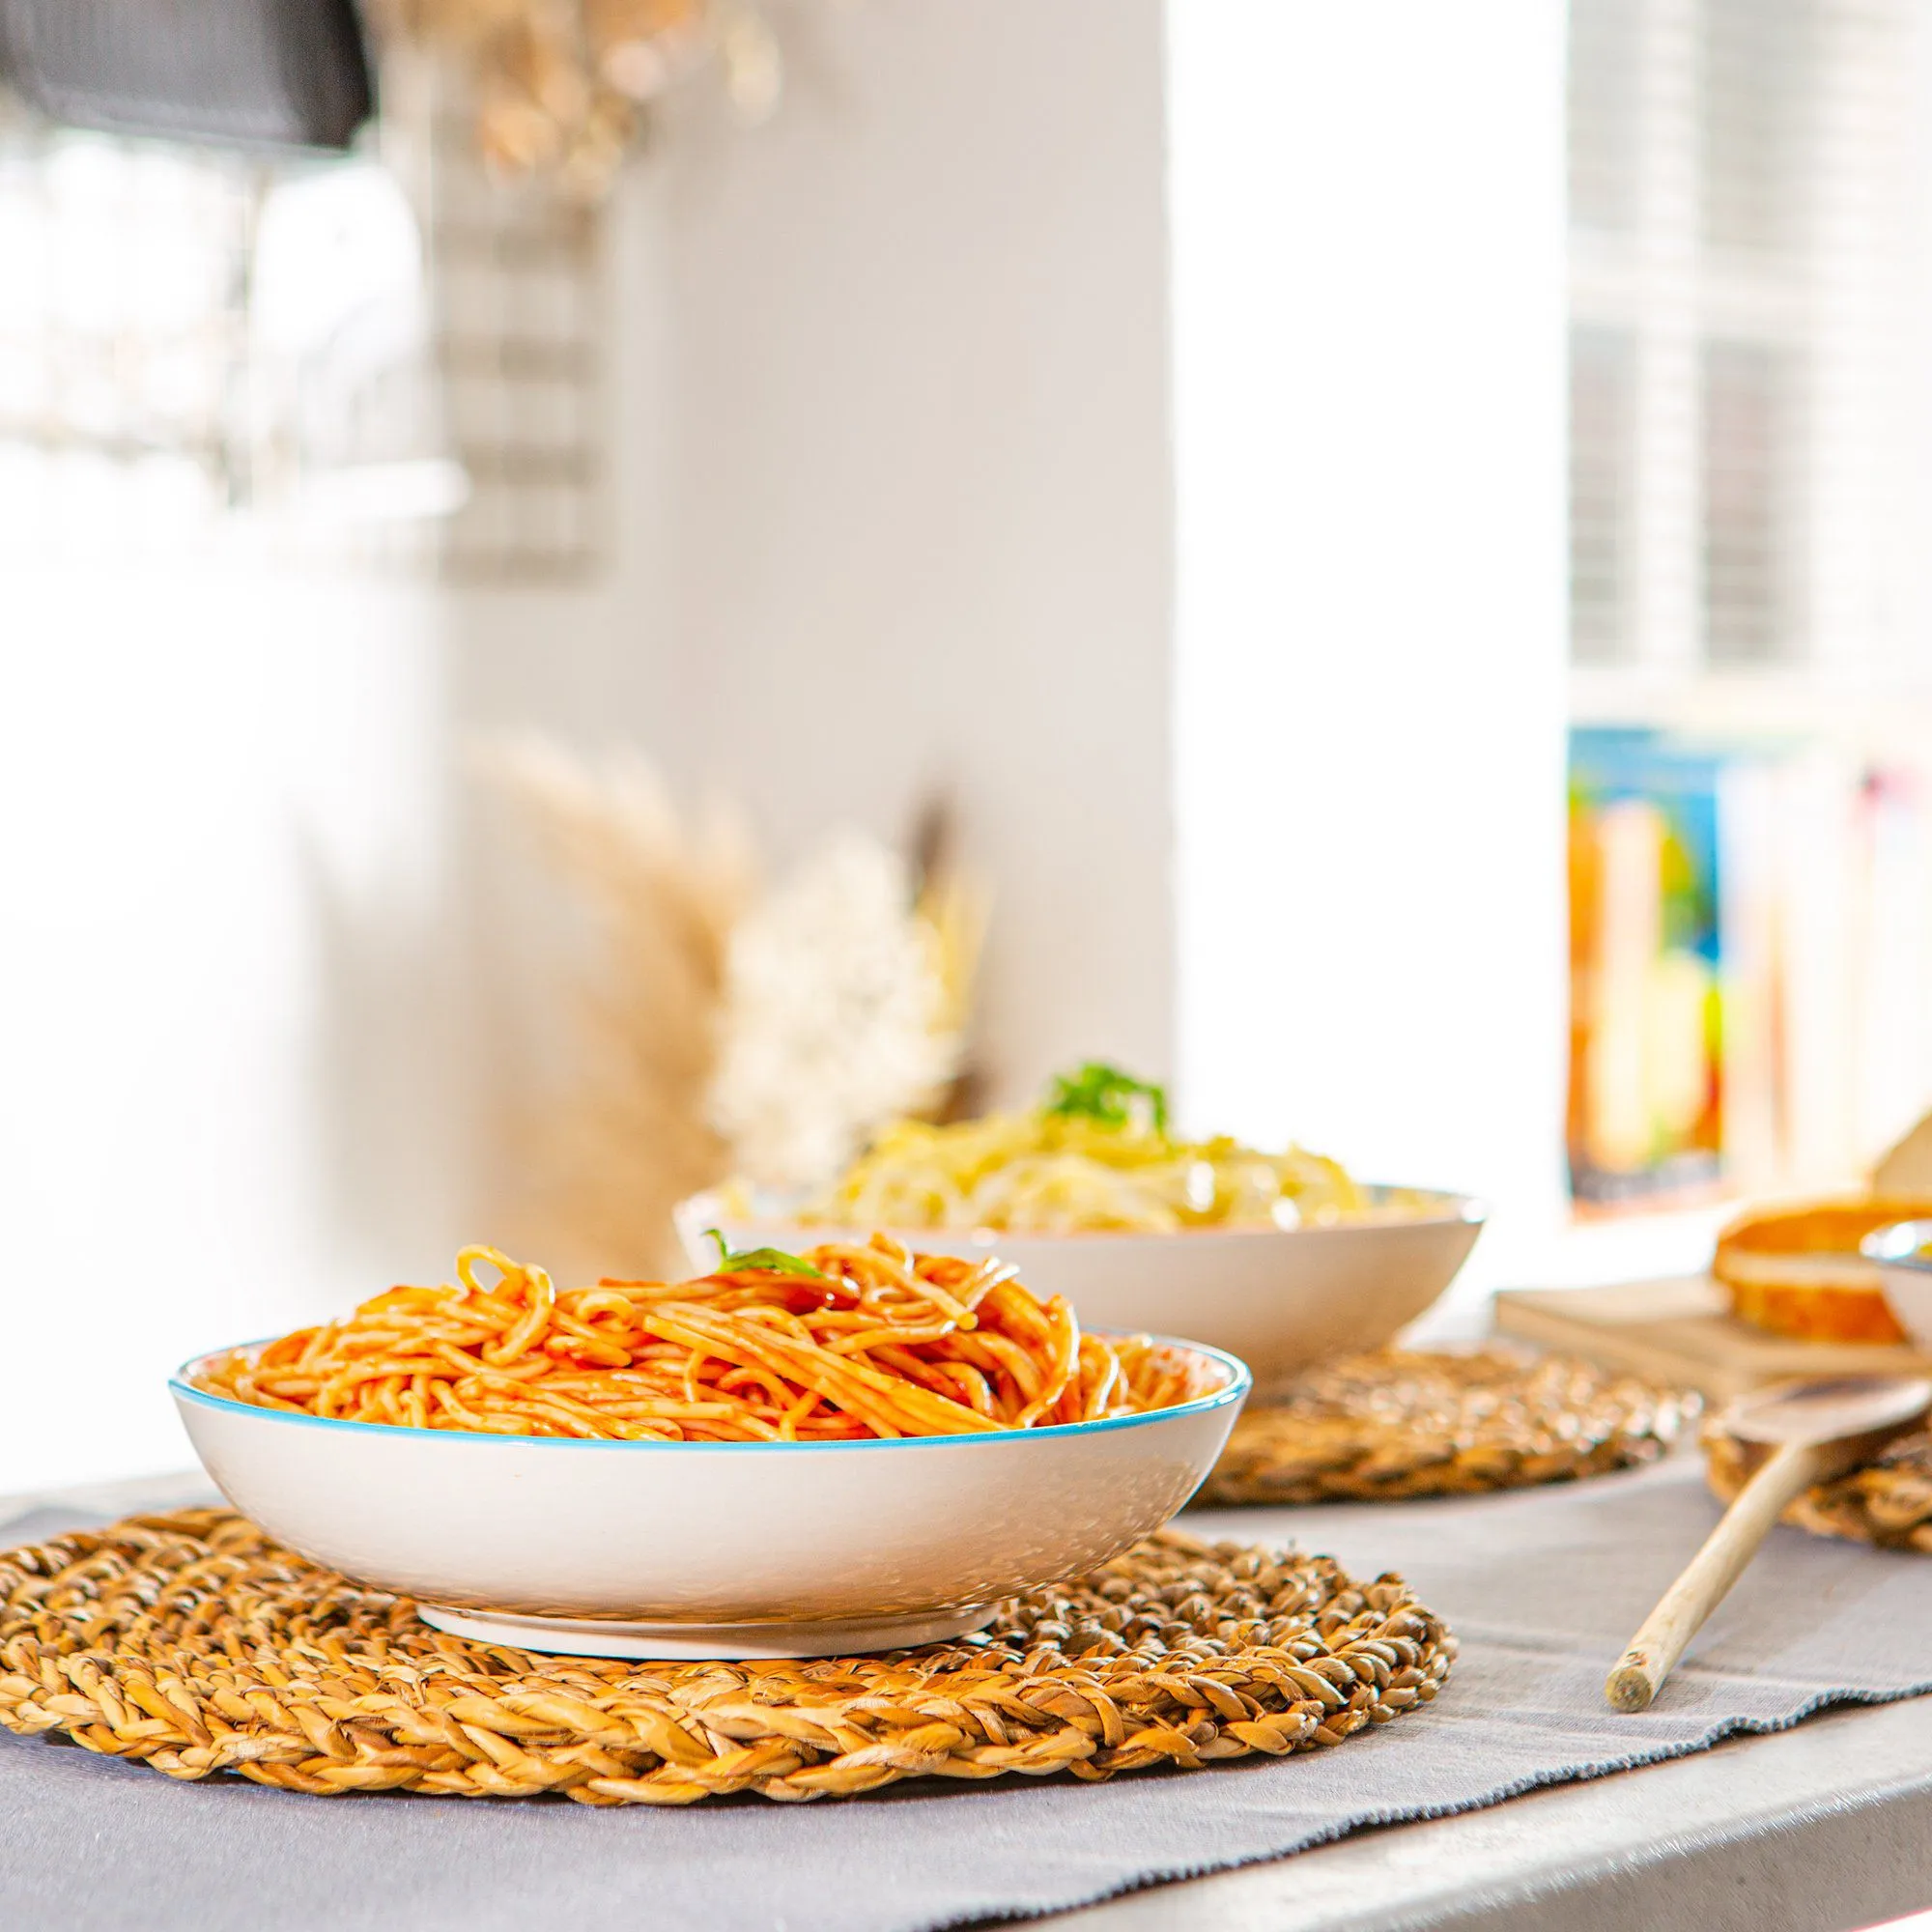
{"x":721,"y":1032}
{"x":835,"y":1017}
{"x":630,"y":1136}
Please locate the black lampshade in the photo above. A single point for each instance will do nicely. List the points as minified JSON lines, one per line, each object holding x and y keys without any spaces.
{"x":256,"y":73}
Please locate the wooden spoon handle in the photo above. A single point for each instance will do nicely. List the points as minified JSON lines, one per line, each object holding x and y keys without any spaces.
{"x":1655,"y":1649}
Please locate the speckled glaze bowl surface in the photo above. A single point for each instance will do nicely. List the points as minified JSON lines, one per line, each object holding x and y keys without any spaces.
{"x":1280,"y":1298}
{"x":709,"y":1549}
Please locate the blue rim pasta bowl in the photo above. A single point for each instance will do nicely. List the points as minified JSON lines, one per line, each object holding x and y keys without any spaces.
{"x":700,"y":1550}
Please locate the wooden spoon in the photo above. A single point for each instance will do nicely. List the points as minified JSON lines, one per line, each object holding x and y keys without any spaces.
{"x":1816,"y":1429}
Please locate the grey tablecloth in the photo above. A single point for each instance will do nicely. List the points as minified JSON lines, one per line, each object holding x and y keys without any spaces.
{"x":1543,"y":1588}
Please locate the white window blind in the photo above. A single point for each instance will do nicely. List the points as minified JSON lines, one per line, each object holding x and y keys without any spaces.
{"x":123,"y":330}
{"x":393,"y":360}
{"x":1738,"y":245}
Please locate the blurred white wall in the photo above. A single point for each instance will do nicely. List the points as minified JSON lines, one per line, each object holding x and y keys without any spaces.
{"x":224,"y":1041}
{"x":917,"y":533}
{"x":1369,"y":292}
{"x":253,"y":1028}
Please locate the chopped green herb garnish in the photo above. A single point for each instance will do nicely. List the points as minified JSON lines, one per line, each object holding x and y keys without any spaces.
{"x":771,"y":1261}
{"x":1097,"y":1091}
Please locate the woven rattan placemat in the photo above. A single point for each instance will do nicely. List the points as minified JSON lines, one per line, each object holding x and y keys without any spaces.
{"x":1888,"y":1502}
{"x":1399,"y":1424}
{"x":195,"y":1644}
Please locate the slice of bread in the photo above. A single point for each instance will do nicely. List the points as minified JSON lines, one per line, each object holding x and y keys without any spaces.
{"x":1796,"y":1269}
{"x":1908,"y":1168}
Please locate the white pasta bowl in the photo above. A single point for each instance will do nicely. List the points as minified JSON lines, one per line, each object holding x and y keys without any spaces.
{"x":699,"y":1550}
{"x":1280,"y":1298}
{"x":1903,"y":1252}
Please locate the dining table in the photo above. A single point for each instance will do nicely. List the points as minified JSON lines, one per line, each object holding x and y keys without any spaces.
{"x":1784,"y":1778}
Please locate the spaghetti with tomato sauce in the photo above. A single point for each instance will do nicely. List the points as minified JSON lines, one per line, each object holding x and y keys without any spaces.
{"x":843,"y":1343}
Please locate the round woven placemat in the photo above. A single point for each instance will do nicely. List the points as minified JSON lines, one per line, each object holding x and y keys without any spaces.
{"x":1888,"y":1502}
{"x":1398,"y":1424}
{"x":194,"y":1643}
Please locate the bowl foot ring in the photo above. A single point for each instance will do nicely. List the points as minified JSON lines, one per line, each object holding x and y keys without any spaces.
{"x":689,"y":1642}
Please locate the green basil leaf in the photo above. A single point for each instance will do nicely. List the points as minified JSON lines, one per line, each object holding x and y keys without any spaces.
{"x":770,"y":1261}
{"x":1097,"y":1091}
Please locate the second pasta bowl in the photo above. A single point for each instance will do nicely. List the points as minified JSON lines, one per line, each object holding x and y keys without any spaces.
{"x":700,"y":1549}
{"x":1280,"y":1298}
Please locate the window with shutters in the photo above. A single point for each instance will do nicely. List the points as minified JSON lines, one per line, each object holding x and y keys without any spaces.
{"x":123,"y":330}
{"x":393,"y":358}
{"x":1739,"y":210}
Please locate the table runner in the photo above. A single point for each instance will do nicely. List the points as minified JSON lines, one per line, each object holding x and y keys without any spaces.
{"x":1544,"y":1587}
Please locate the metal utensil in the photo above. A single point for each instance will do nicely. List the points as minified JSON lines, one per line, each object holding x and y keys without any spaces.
{"x":1815,"y":1429}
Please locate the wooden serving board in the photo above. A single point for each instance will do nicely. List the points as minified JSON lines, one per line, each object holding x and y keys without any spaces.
{"x":1681,"y":1330}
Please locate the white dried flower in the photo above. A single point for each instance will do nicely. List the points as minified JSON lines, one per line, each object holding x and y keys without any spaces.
{"x":835,"y":1017}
